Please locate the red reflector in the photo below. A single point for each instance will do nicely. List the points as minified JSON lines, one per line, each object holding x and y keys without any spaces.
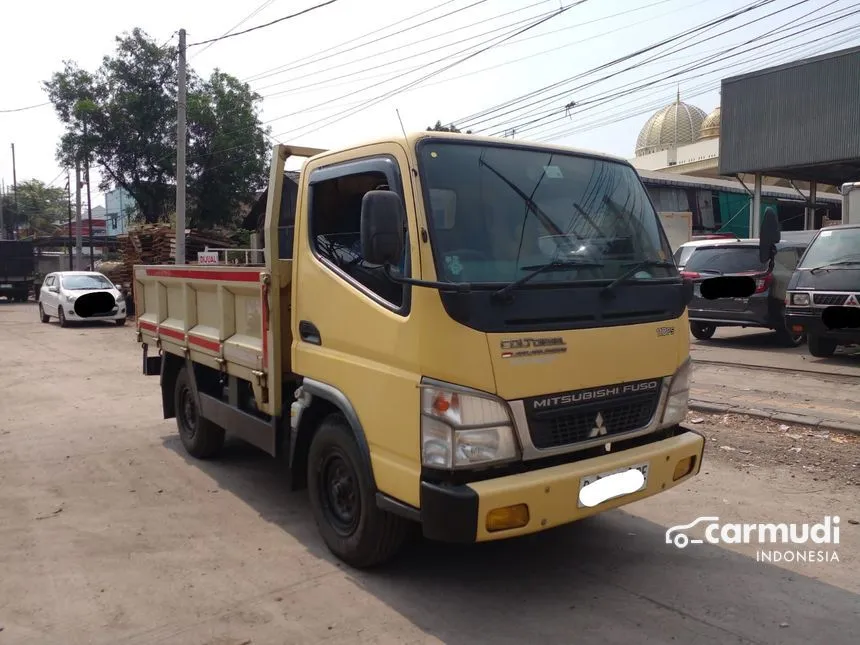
{"x":692,"y":275}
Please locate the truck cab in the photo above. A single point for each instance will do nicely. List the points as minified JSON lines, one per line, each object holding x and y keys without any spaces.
{"x":483,"y":337}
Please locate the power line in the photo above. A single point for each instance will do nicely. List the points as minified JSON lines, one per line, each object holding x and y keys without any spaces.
{"x":29,"y":107}
{"x":711,"y":23}
{"x":378,"y":99}
{"x":416,"y":55}
{"x":326,"y":83}
{"x":302,"y":61}
{"x":268,"y":24}
{"x":696,"y":65}
{"x":236,"y":26}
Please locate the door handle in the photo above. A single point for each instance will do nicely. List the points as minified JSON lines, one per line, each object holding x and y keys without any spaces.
{"x":309,"y":333}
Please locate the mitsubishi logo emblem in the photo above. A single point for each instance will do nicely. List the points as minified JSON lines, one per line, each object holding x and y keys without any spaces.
{"x":852,"y":301}
{"x":599,"y":430}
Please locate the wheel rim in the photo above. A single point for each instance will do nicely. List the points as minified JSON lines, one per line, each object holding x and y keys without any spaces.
{"x":187,"y":410}
{"x":339,"y":493}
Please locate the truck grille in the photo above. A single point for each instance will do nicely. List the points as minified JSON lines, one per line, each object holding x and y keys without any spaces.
{"x":830,"y":299}
{"x":570,"y":417}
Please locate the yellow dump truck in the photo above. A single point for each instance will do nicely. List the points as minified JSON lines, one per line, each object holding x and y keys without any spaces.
{"x":484,"y":337}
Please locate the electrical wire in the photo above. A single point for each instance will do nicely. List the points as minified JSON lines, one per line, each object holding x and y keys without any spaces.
{"x":307,"y":60}
{"x":268,"y":24}
{"x":234,"y":27}
{"x":29,"y":107}
{"x":324,"y":84}
{"x":697,"y":65}
{"x":709,"y":24}
{"x":510,"y":36}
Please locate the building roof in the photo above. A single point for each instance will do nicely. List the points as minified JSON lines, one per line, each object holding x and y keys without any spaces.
{"x":677,"y":124}
{"x":711,"y":125}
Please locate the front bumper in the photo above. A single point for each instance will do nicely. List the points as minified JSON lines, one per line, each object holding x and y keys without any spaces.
{"x":812,"y":324}
{"x":117,"y":313}
{"x":459,"y":513}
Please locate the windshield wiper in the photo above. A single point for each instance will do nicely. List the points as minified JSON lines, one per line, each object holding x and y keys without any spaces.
{"x":834,"y":264}
{"x":624,"y":277}
{"x":555,"y":265}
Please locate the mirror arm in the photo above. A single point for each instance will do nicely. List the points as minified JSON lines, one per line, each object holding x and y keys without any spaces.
{"x":457,"y":287}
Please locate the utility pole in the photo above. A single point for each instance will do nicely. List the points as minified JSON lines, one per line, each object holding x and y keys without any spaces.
{"x":79,"y":242}
{"x":2,"y":200}
{"x":69,"y":193}
{"x":89,"y":202}
{"x":180,"y":154}
{"x":15,"y":188}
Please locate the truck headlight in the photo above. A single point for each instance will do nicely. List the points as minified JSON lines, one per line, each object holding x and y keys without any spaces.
{"x":678,"y":399}
{"x":459,"y":430}
{"x":800,"y":299}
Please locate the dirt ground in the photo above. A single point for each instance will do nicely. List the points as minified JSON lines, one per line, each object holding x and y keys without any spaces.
{"x":111,"y":535}
{"x":749,"y":443}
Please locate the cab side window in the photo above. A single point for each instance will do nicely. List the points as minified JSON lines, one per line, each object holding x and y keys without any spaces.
{"x":335,"y":226}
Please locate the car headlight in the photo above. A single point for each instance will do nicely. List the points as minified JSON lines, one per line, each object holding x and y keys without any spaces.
{"x":459,"y":430}
{"x":678,"y":399}
{"x":800,"y":299}
{"x":120,"y":299}
{"x":70,"y":297}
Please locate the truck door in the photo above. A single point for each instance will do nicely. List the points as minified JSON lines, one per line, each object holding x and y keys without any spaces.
{"x":352,"y":327}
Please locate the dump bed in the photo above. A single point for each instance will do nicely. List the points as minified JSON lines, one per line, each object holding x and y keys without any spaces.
{"x":218,"y":314}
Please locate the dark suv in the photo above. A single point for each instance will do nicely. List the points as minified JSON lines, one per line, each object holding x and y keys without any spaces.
{"x":765,"y":308}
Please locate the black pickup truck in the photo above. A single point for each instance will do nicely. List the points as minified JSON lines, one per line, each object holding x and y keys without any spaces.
{"x":17,"y":266}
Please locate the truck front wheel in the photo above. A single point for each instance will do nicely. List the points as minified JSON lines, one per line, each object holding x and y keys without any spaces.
{"x":201,"y":438}
{"x":353,"y":527}
{"x":822,"y":347}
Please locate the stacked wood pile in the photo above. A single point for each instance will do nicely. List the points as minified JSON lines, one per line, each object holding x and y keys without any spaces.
{"x":156,"y":244}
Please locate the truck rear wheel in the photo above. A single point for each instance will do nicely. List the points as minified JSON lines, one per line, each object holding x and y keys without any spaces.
{"x":202,"y":438}
{"x":353,"y":527}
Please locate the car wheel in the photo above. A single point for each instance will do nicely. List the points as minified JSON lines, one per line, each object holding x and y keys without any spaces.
{"x":42,"y":315}
{"x":120,"y":322}
{"x":702,"y":331}
{"x":202,"y":438}
{"x":343,"y":500}
{"x":788,"y":338}
{"x":822,"y":347}
{"x":61,"y":316}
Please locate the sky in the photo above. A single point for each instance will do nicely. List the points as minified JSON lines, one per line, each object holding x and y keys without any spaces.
{"x":340,"y":74}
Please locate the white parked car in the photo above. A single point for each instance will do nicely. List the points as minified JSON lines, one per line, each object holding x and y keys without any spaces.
{"x":79,"y":296}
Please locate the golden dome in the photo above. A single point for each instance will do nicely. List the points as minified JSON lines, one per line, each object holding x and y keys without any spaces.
{"x":711,"y":125}
{"x":677,"y":124}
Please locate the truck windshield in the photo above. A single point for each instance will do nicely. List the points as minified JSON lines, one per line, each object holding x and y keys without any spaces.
{"x":498,"y":211}
{"x":831,"y":247}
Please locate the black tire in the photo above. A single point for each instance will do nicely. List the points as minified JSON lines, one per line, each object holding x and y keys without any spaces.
{"x":61,"y":316}
{"x":120,"y":322}
{"x":202,"y":438}
{"x":42,"y":315}
{"x":343,"y":501}
{"x":702,"y":331}
{"x":788,"y":338}
{"x":822,"y":347}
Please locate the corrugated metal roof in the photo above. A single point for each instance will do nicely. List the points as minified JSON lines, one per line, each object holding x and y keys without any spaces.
{"x":798,"y":120}
{"x":727,"y":185}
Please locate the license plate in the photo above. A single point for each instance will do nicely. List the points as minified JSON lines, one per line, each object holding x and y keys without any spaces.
{"x":5,"y":286}
{"x":590,"y":479}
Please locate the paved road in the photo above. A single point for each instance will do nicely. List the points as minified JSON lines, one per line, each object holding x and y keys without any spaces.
{"x":758,"y":348}
{"x":110,"y":535}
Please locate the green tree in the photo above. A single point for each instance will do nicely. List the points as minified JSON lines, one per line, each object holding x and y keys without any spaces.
{"x":227,"y":150}
{"x":123,"y":118}
{"x":39,"y":207}
{"x":446,"y":128}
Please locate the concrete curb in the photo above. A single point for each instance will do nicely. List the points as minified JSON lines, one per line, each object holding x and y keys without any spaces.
{"x":770,"y":368}
{"x":784,"y":417}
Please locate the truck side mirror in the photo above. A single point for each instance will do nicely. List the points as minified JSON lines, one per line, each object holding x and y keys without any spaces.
{"x":383,"y":219}
{"x":770,"y":235}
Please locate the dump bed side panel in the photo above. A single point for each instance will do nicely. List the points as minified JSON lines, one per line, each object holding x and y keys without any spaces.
{"x":218,"y":314}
